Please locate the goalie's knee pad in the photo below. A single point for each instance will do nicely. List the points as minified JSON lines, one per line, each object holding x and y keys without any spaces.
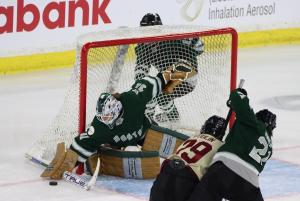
{"x":163,"y":140}
{"x":126,"y":164}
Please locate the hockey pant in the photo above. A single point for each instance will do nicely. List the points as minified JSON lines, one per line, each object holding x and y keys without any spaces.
{"x":221,"y":182}
{"x":175,"y":182}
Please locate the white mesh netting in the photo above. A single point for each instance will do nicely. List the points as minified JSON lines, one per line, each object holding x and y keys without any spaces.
{"x":114,"y":65}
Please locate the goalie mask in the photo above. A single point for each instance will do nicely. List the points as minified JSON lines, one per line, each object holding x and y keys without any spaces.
{"x":108,"y":109}
{"x":150,"y":20}
{"x":214,"y":126}
{"x":268,"y":118}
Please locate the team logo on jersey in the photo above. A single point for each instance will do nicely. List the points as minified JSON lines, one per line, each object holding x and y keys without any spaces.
{"x":90,"y":130}
{"x":119,"y":121}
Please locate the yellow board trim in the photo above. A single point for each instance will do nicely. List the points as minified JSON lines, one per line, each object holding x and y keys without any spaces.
{"x":270,"y":37}
{"x":21,"y":64}
{"x":55,"y":60}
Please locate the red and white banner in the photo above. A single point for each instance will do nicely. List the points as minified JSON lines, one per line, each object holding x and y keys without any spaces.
{"x":30,"y":26}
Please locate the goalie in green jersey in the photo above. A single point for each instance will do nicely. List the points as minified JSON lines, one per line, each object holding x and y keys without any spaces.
{"x":236,"y":166}
{"x":120,"y":119}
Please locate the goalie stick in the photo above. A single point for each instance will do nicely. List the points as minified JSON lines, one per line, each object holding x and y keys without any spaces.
{"x":71,"y":177}
{"x":92,"y":181}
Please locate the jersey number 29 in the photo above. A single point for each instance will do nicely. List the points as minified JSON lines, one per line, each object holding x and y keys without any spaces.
{"x":192,"y":150}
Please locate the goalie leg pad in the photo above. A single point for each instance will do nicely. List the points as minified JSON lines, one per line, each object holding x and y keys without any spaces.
{"x":163,"y":140}
{"x":57,"y":160}
{"x":127,"y":164}
{"x":67,"y":165}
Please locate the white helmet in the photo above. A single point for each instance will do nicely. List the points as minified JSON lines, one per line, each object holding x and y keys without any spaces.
{"x":108,"y":109}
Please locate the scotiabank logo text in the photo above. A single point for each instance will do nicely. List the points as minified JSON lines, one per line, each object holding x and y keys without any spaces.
{"x":42,"y":15}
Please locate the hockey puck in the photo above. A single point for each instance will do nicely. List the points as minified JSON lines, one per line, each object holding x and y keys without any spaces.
{"x":52,"y":183}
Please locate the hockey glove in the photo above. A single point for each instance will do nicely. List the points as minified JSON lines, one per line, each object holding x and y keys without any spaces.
{"x":228,"y":103}
{"x":176,"y":74}
{"x":242,"y":91}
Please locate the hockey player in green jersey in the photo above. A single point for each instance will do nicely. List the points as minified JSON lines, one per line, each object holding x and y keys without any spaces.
{"x":235,"y":168}
{"x":181,"y":172}
{"x":160,"y":55}
{"x":120,"y":119}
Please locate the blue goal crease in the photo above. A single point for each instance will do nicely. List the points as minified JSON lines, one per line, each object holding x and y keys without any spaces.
{"x":278,"y":179}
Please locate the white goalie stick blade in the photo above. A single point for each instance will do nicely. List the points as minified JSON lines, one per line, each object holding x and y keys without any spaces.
{"x":71,"y":177}
{"x":75,"y":179}
{"x":86,"y":185}
{"x":92,"y":181}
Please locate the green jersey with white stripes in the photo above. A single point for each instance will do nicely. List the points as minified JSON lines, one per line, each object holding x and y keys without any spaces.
{"x":130,"y":127}
{"x":247,"y":146}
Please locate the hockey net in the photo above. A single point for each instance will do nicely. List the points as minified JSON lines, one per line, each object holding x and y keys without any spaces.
{"x":106,"y":61}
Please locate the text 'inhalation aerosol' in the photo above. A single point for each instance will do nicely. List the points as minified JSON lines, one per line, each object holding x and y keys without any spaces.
{"x":236,"y":12}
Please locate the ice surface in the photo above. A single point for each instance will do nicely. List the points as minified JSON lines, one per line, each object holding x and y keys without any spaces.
{"x":28,"y":103}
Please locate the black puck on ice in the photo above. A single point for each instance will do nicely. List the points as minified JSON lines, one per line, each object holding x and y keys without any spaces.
{"x":52,"y":183}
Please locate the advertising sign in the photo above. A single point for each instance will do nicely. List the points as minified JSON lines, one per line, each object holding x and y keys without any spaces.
{"x":30,"y":26}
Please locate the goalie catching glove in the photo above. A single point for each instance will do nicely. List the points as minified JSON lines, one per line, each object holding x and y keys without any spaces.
{"x":176,"y":74}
